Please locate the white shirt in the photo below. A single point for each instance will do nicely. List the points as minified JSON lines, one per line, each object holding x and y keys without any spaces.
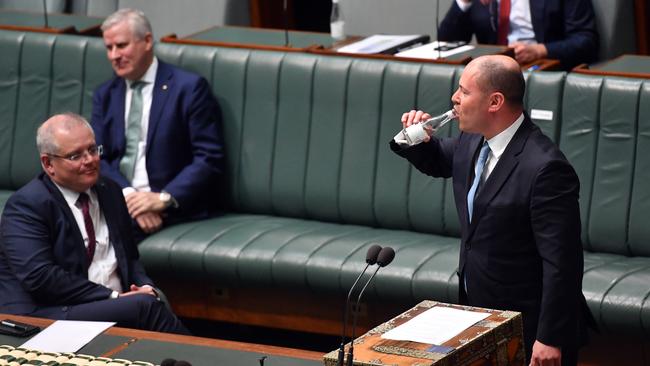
{"x":498,"y":145}
{"x":521,"y":25}
{"x":140,"y":180}
{"x":103,"y":268}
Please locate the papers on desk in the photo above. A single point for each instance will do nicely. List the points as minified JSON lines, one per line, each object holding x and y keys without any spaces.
{"x":435,"y":326}
{"x":66,"y":336}
{"x":429,"y":51}
{"x":383,"y":44}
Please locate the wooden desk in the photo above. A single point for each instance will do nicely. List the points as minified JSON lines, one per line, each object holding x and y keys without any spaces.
{"x":542,"y":65}
{"x":153,"y":347}
{"x":256,"y":38}
{"x":57,"y":23}
{"x":496,"y":340}
{"x":635,"y":66}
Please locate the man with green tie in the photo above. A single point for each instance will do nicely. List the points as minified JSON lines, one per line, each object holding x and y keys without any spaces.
{"x":160,"y":128}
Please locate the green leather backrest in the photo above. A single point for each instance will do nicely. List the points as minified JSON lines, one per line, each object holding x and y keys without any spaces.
{"x":306,"y":135}
{"x":544,"y":94}
{"x":605,"y":136}
{"x":638,"y":225}
{"x":40,"y":75}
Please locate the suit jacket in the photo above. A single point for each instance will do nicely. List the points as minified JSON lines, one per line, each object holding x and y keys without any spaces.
{"x":43,"y":259}
{"x":522,"y":250}
{"x":566,"y":27}
{"x":184,"y":151}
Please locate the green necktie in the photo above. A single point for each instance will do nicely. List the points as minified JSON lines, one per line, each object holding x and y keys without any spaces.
{"x":127,"y":164}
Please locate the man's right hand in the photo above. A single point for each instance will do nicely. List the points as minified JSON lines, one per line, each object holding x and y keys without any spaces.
{"x":134,"y":290}
{"x":149,"y":222}
{"x":413,"y":117}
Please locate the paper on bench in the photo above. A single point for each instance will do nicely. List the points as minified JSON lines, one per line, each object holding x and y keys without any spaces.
{"x":66,"y":335}
{"x":435,"y":326}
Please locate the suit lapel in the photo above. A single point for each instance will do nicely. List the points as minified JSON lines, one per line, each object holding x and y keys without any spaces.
{"x":69,"y":217}
{"x":117,"y":110}
{"x":109,"y":210}
{"x":499,"y":176}
{"x":161,"y":89}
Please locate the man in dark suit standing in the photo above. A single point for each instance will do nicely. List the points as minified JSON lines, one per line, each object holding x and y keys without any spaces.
{"x":159,"y":126}
{"x":517,"y":201}
{"x":556,"y":29}
{"x":66,"y":250}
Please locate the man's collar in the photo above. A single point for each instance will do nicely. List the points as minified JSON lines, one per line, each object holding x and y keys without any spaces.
{"x":149,"y":76}
{"x":71,"y":196}
{"x":499,"y":142}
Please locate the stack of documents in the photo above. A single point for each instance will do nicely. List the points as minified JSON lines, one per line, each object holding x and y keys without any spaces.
{"x":386,"y":44}
{"x":433,"y":50}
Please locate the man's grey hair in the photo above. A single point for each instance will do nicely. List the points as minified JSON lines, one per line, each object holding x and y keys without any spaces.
{"x":138,"y":22}
{"x":45,"y":141}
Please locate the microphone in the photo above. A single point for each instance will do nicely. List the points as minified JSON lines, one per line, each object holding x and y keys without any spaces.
{"x":371,"y":258}
{"x":385,"y":257}
{"x":438,"y":26}
{"x":45,"y":12}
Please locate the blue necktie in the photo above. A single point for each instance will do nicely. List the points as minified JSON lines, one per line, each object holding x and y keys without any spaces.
{"x":478,"y":172}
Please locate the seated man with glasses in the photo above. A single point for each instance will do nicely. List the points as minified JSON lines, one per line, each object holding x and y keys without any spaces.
{"x":66,"y":250}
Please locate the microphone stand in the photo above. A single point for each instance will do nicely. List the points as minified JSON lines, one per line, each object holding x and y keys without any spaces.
{"x":438,"y":26}
{"x":345,"y":317}
{"x":286,"y":25}
{"x":45,"y":13}
{"x":354,"y":318}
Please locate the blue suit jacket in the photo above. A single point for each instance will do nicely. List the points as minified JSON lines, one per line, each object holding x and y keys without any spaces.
{"x":566,"y":27}
{"x":43,"y":261}
{"x":522,"y":250}
{"x":184,"y":151}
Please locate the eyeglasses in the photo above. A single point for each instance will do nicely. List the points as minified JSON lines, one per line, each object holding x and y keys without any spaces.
{"x":77,"y":157}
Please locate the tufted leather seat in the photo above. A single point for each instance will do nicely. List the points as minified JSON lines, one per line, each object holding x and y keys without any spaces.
{"x":311,"y":182}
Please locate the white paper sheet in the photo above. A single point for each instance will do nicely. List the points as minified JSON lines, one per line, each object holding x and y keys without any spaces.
{"x":435,"y":326}
{"x":429,"y":51}
{"x":377,"y":43}
{"x":66,"y":336}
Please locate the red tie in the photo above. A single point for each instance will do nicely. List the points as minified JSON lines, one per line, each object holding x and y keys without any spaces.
{"x":504,"y":22}
{"x":88,"y":223}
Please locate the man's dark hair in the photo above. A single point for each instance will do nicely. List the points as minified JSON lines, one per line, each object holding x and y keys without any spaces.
{"x":496,"y":76}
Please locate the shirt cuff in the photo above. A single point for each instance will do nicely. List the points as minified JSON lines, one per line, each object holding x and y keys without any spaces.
{"x":463,"y":5}
{"x":128,"y":190}
{"x":114,"y":295}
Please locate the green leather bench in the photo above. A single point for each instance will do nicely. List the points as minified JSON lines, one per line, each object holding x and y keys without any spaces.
{"x":312,"y":183}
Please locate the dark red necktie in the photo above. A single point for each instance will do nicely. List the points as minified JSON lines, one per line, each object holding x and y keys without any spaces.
{"x":504,"y":22}
{"x":88,"y":222}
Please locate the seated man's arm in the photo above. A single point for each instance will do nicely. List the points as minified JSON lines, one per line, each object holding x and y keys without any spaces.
{"x":204,"y":125}
{"x":457,"y":24}
{"x":27,"y":239}
{"x":581,"y":42}
{"x":110,"y":160}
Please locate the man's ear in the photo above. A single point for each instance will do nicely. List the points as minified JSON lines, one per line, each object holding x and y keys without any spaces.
{"x":46,"y":163}
{"x":497,"y":100}
{"x":148,"y":38}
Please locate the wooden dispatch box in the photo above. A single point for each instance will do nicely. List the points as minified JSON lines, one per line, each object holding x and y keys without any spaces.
{"x":495,"y":341}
